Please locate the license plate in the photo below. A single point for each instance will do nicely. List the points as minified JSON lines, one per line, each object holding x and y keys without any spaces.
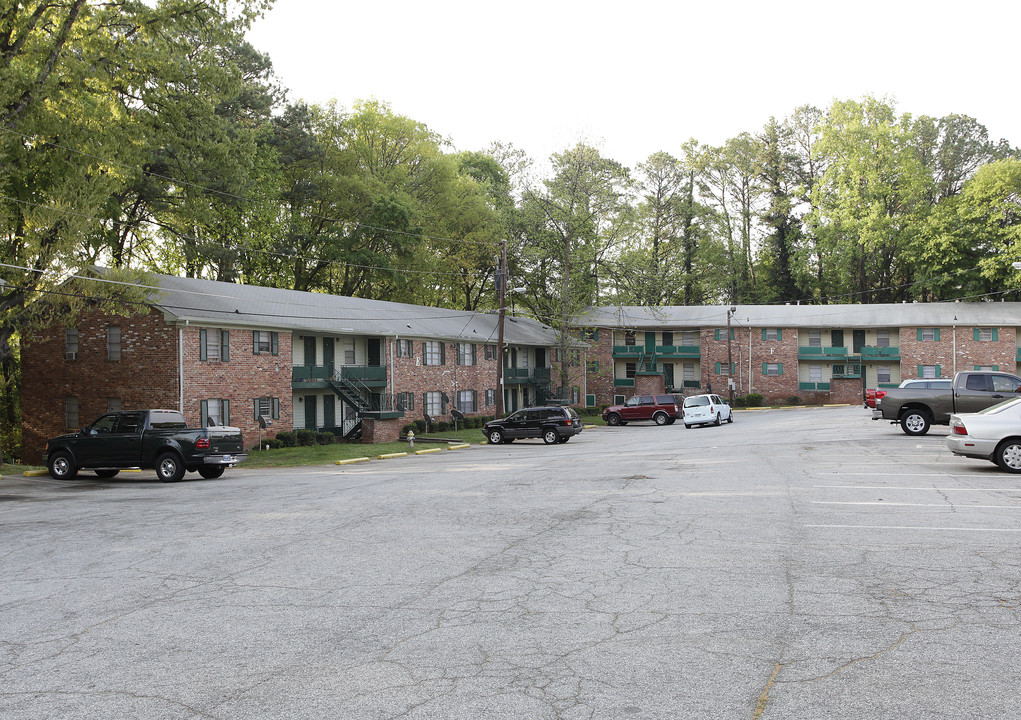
{"x":228,"y":458}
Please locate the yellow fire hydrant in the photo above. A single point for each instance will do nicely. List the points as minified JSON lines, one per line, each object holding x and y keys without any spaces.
{"x":411,"y":439}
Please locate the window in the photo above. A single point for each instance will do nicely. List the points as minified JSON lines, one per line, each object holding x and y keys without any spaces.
{"x":815,"y":338}
{"x":772,"y":368}
{"x":71,"y":412}
{"x":214,"y":344}
{"x":523,"y":358}
{"x":490,"y":398}
{"x":592,"y":366}
{"x":465,"y":354}
{"x":490,"y":352}
{"x":405,"y":348}
{"x":629,"y":337}
{"x":349,"y":352}
{"x":722,"y":334}
{"x":267,"y":407}
{"x":432,"y":403}
{"x":1005,"y":383}
{"x":432,"y":353}
{"x":724,"y":369}
{"x":882,"y":338}
{"x":466,"y":402}
{"x":928,"y":371}
{"x":668,"y":338}
{"x":986,"y":334}
{"x":574,"y":358}
{"x":216,"y":411}
{"x":405,"y":401}
{"x":689,"y":371}
{"x":630,"y":369}
{"x":986,"y":368}
{"x":113,"y":405}
{"x":883,"y":373}
{"x":575,"y":396}
{"x":265,"y":342}
{"x":772,"y":334}
{"x":928,"y":334}
{"x":113,"y":343}
{"x":71,"y":344}
{"x":689,"y":338}
{"x":815,"y":373}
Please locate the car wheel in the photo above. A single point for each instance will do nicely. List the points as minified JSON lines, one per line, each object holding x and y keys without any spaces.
{"x":61,"y":466}
{"x":671,"y":421}
{"x":915,"y":422}
{"x":169,"y":467}
{"x":613,"y":419}
{"x":687,"y":426}
{"x":660,"y":418}
{"x":209,"y":472}
{"x":106,"y":473}
{"x":550,"y":436}
{"x":495,"y":437}
{"x":730,"y":417}
{"x":1008,"y":455}
{"x":717,"y":421}
{"x":565,"y":438}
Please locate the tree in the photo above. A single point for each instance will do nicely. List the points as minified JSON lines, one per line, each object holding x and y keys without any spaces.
{"x":781,"y":247}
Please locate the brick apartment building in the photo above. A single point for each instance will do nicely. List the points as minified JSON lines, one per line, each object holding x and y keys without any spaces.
{"x":229,"y":354}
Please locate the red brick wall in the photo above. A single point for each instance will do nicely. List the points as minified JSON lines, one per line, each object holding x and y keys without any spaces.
{"x":243,"y":377}
{"x":144,"y":377}
{"x":409,"y":374}
{"x":380,"y":431}
{"x":774,"y":388}
{"x":600,"y":382}
{"x":957,"y":350}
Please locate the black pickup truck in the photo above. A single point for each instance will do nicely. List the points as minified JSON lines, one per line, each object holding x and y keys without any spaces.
{"x":147,"y":439}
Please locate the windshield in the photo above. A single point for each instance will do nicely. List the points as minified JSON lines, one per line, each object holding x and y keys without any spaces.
{"x":696,"y":401}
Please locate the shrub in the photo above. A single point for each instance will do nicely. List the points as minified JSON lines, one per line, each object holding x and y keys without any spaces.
{"x":793,"y":400}
{"x":753,"y":399}
{"x":442,"y":426}
{"x":419,"y":426}
{"x":305,"y":438}
{"x":287,"y":438}
{"x":325,"y":438}
{"x":273,"y":443}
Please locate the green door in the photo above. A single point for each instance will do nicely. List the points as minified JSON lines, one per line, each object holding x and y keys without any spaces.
{"x":310,"y":351}
{"x":328,"y":356}
{"x":310,"y":412}
{"x":668,"y":375}
{"x":374,"y":352}
{"x":329,"y":414}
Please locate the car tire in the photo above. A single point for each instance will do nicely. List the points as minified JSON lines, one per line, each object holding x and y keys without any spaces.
{"x":730,"y":418}
{"x":660,"y":418}
{"x":613,"y":419}
{"x":550,"y":436}
{"x":565,"y":438}
{"x":169,"y":467}
{"x":211,"y":472}
{"x":687,"y":426}
{"x":671,"y":421}
{"x":105,"y":474}
{"x":61,"y":466}
{"x":915,"y":422}
{"x":495,"y":437}
{"x":1008,"y":455}
{"x":717,"y":422}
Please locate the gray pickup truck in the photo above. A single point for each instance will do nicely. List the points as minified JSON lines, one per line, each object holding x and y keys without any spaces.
{"x":916,"y":409}
{"x":156,"y":439}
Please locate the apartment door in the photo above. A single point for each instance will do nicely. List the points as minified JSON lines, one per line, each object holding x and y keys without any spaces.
{"x":374,"y":354}
{"x":310,"y":351}
{"x":328,"y":355}
{"x":310,"y":412}
{"x":329,"y":412}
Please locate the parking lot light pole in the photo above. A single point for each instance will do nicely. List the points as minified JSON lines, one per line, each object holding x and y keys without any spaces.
{"x":502,"y":282}
{"x":730,"y":358}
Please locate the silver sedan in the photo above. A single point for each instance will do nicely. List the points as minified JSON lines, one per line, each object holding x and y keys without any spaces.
{"x":992,"y":434}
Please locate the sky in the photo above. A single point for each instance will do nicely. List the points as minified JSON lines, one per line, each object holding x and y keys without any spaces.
{"x":641,"y":77}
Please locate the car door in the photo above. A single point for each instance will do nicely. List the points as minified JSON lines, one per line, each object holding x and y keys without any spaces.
{"x":125,"y":442}
{"x":92,"y":444}
{"x":532,"y":425}
{"x":514,"y":423}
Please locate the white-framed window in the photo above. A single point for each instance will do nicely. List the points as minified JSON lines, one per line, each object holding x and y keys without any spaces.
{"x":815,"y":373}
{"x":689,"y":338}
{"x":406,"y":401}
{"x":405,"y":348}
{"x":113,"y":343}
{"x":576,"y":396}
{"x":927,"y":334}
{"x":985,"y":368}
{"x":216,"y":411}
{"x":71,"y":412}
{"x":772,"y":334}
{"x":465,"y":354}
{"x":668,"y":338}
{"x":618,"y":399}
{"x":490,"y":352}
{"x":432,"y":353}
{"x":265,"y":342}
{"x":630,"y":369}
{"x":214,"y":344}
{"x":689,"y":371}
{"x":267,"y":407}
{"x":523,"y":359}
{"x":815,"y":338}
{"x":466,"y":402}
{"x":883,"y":373}
{"x":432,"y":403}
{"x":882,"y":338}
{"x":928,"y":371}
{"x":490,"y":397}
{"x":772,"y":368}
{"x":985,"y":334}
{"x":71,"y":343}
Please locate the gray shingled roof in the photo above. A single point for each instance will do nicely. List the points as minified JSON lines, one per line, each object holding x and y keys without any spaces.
{"x":209,"y":301}
{"x":891,"y":315}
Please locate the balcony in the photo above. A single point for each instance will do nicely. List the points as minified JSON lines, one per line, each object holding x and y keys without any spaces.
{"x":628,"y":351}
{"x":678,"y":352}
{"x":316,"y":376}
{"x":822,"y":353}
{"x":873,"y":354}
{"x":517,"y":376}
{"x":813,"y":386}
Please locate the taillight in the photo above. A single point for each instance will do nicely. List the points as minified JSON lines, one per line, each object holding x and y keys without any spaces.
{"x":202,"y":444}
{"x":959,"y":429}
{"x":880,"y":394}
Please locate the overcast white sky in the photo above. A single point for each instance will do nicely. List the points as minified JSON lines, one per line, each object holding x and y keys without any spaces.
{"x":635,"y":78}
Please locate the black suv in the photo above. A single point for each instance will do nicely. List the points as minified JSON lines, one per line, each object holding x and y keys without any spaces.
{"x":554,"y":424}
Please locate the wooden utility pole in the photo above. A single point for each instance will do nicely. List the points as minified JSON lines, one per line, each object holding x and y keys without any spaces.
{"x":502,"y":283}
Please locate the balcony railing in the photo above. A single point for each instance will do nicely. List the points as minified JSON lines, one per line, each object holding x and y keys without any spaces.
{"x":369,"y":374}
{"x":822,"y":353}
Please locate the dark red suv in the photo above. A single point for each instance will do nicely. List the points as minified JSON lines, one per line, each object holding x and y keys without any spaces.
{"x":661,"y":409}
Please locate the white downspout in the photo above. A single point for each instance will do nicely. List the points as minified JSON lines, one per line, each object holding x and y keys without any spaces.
{"x":180,"y":369}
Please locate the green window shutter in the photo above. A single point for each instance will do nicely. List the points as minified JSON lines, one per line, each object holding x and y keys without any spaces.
{"x":716,"y":334}
{"x":203,"y":412}
{"x":763,"y":333}
{"x":976,"y":334}
{"x":202,"y":345}
{"x":274,"y":343}
{"x":733,"y":368}
{"x":255,"y":408}
{"x":938,"y":374}
{"x":225,"y":349}
{"x":595,"y":335}
{"x":731,"y":333}
{"x":475,"y":355}
{"x":443,"y":353}
{"x":921,"y":370}
{"x":717,"y":368}
{"x":475,"y":401}
{"x":779,"y":368}
{"x":919,"y":334}
{"x":275,"y":404}
{"x":996,"y":334}
{"x":255,"y":344}
{"x":225,"y":404}
{"x":935,"y":334}
{"x":779,"y":333}
{"x":765,"y":366}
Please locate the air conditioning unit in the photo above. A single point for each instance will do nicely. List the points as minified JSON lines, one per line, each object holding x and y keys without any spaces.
{"x":70,"y":356}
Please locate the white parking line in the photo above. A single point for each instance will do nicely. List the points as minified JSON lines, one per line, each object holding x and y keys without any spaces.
{"x":939,"y":505}
{"x":913,"y":527}
{"x":894,"y":487}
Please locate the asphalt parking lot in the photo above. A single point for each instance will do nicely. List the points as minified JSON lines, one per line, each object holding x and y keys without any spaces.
{"x":803,"y":563}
